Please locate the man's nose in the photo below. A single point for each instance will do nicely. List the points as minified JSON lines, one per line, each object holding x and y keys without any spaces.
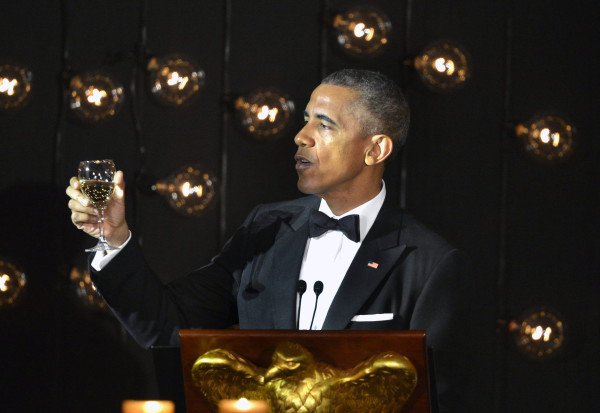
{"x":303,"y":138}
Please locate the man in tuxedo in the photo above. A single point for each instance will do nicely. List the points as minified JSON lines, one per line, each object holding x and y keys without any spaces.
{"x":371,"y":265}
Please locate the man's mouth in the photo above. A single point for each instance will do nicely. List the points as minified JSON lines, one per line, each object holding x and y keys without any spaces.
{"x":302,"y":162}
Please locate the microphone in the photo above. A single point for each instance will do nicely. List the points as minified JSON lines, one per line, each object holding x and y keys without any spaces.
{"x":318,"y":289}
{"x":300,"y":289}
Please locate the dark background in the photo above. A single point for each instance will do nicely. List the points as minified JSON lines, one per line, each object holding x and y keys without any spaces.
{"x":529,"y":228}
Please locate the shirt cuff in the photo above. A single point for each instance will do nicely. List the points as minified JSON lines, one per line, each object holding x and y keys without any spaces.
{"x":102,"y":258}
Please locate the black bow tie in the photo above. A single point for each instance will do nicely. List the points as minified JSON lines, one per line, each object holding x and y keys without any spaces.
{"x":319,"y":223}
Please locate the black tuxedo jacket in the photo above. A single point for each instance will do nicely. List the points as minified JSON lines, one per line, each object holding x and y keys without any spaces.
{"x":252,"y":282}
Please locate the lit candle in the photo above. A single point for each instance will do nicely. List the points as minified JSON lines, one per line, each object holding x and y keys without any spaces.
{"x":243,"y":406}
{"x":148,"y":406}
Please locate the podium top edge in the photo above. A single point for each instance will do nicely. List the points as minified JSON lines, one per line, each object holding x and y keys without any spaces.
{"x":184,"y":333}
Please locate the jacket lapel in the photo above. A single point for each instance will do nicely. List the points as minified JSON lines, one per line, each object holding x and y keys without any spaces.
{"x":382,"y":248}
{"x":284,"y":269}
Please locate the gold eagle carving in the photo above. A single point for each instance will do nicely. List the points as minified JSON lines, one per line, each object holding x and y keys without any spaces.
{"x":295,"y":382}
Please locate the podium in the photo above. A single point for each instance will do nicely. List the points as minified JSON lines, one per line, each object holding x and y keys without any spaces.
{"x":340,"y":349}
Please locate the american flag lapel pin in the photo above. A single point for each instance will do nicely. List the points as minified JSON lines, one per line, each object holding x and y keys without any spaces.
{"x":373,"y":264}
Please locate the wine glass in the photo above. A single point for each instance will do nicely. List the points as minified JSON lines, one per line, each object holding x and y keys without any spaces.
{"x":96,"y":182}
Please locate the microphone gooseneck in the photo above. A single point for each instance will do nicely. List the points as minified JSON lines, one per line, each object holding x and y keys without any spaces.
{"x":300,"y":289}
{"x":318,"y":289}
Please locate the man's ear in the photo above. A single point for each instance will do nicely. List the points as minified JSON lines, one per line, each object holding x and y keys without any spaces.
{"x":379,"y":150}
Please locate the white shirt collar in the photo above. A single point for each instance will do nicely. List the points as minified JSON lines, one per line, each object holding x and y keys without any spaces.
{"x":367,"y":212}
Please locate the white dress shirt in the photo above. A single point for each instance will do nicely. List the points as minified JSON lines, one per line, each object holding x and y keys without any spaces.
{"x":327,"y":259}
{"x":102,"y":258}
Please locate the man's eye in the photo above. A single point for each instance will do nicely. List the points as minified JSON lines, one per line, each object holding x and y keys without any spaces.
{"x":324,"y":126}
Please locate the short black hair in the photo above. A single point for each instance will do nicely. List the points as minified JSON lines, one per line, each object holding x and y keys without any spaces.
{"x":381,"y":98}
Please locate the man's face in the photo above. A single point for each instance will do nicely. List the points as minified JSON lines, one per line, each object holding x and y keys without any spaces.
{"x":330,"y":159}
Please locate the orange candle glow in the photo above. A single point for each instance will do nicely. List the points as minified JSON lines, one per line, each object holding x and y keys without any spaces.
{"x":148,"y":406}
{"x":243,"y":406}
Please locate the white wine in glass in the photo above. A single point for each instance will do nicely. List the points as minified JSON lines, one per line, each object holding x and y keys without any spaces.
{"x":96,"y":179}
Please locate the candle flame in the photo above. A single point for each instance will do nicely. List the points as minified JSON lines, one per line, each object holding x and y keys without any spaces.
{"x":243,"y":404}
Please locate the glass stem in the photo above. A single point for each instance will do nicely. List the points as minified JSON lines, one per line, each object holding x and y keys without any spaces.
{"x":101,"y":226}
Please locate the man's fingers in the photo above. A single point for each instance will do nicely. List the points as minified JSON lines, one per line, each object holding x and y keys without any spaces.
{"x":77,"y":196}
{"x":77,"y":207}
{"x":71,"y":192}
{"x":74,"y":182}
{"x":81,"y":218}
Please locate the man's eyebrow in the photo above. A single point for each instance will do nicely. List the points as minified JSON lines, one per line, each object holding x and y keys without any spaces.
{"x":326,"y":119}
{"x":322,"y":116}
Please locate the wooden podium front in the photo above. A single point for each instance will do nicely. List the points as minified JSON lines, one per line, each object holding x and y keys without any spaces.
{"x":341,"y":349}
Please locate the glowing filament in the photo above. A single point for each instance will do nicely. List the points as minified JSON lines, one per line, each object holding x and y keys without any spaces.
{"x":95,"y":96}
{"x":547,"y":333}
{"x":540,"y":332}
{"x":187,"y":189}
{"x":361,"y":30}
{"x":442,"y":65}
{"x":8,"y":86}
{"x":546,"y":136}
{"x":175,"y":79}
{"x":537,"y":333}
{"x":265,"y":113}
{"x":555,"y":139}
{"x":3,"y":280}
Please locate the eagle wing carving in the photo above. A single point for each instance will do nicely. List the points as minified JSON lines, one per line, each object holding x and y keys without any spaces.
{"x":222,"y":374}
{"x":380,"y":384}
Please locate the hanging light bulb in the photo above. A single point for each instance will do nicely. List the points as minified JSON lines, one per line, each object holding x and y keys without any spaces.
{"x":85,"y":289}
{"x":443,"y":66}
{"x":547,"y":137}
{"x":362,"y":31}
{"x":264,"y":113}
{"x":12,"y":283}
{"x":174,"y":80}
{"x":189,"y":190}
{"x":94,"y":96}
{"x":15,"y":86}
{"x":539,"y":333}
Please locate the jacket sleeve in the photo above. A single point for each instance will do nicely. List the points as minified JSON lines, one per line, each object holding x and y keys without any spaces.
{"x":153,"y":313}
